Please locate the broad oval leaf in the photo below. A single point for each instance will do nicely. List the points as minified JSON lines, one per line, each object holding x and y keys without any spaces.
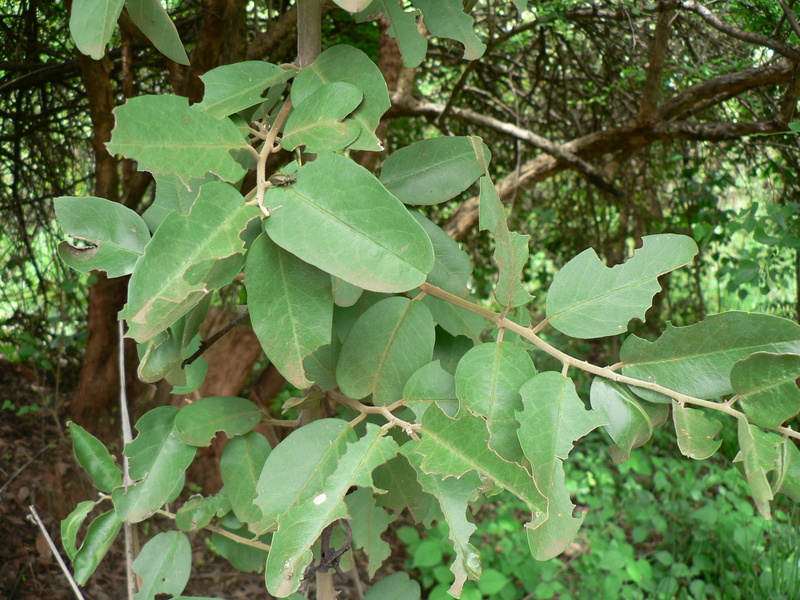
{"x":164,"y":564}
{"x":488,"y":380}
{"x":350,"y":65}
{"x":766,"y":385}
{"x":95,"y":459}
{"x":101,"y":534}
{"x":587,"y":300}
{"x":116,"y":234}
{"x":231,"y":88}
{"x":240,"y":466}
{"x":92,"y":22}
{"x":455,"y":320}
{"x":339,"y":218}
{"x":197,"y":423}
{"x":695,"y":432}
{"x":390,"y":341}
{"x":431,"y":171}
{"x":291,"y":307}
{"x":173,"y":194}
{"x":697,"y":360}
{"x":166,"y":136}
{"x":154,"y":21}
{"x":319,"y":124}
{"x":629,"y":424}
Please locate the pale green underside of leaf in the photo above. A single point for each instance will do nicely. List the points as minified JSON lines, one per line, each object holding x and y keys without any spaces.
{"x":766,"y":385}
{"x":454,"y":319}
{"x":349,"y":65}
{"x":400,"y":479}
{"x":92,"y":22}
{"x":172,"y":194}
{"x":164,"y":564}
{"x":318,"y":122}
{"x":428,"y":384}
{"x":187,"y":257}
{"x":446,"y":18}
{"x":385,"y":346}
{"x":117,"y":235}
{"x":413,"y":45}
{"x":231,"y":88}
{"x":167,"y":136}
{"x":302,"y":523}
{"x":240,"y":466}
{"x":339,"y":218}
{"x":695,"y":432}
{"x":697,"y":360}
{"x":588,"y":300}
{"x":291,"y":307}
{"x":759,"y":454}
{"x":154,"y":22}
{"x":72,"y":524}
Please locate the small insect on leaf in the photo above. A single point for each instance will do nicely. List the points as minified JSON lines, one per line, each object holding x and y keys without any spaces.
{"x":282,"y":179}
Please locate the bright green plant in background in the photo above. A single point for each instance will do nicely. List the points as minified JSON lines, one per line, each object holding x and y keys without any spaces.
{"x":364,"y":304}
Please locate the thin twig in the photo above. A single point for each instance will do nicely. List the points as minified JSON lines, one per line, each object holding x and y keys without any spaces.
{"x":34,"y":516}
{"x":385,"y":411}
{"x":224,"y":532}
{"x":132,"y":581}
{"x":214,"y":338}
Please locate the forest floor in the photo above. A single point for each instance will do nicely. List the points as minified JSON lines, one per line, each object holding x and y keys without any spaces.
{"x":37,"y":468}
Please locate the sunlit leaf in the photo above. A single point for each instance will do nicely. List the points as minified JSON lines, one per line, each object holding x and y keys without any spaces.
{"x":231,"y":88}
{"x":318,"y":121}
{"x":766,"y":386}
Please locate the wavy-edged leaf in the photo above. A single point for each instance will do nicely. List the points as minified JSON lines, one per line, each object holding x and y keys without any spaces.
{"x":231,"y":88}
{"x":552,"y":419}
{"x":403,"y":28}
{"x":428,"y":384}
{"x":116,"y":235}
{"x":759,"y":455}
{"x":291,"y":307}
{"x":166,"y":136}
{"x":697,"y":360}
{"x":588,"y":300}
{"x":187,"y":257}
{"x":240,"y":466}
{"x":156,"y":24}
{"x":629,"y":423}
{"x":99,"y":536}
{"x":164,"y":564}
{"x":488,"y":380}
{"x":339,"y":218}
{"x":95,"y":459}
{"x":318,"y":122}
{"x":447,"y":19}
{"x":390,"y":341}
{"x":695,"y":433}
{"x":453,"y":495}
{"x":766,"y":385}
{"x":369,"y":521}
{"x":302,"y":523}
{"x":157,"y":458}
{"x":197,"y":423}
{"x":399,"y":478}
{"x":431,"y":171}
{"x":72,"y":524}
{"x":349,"y":65}
{"x":92,"y":23}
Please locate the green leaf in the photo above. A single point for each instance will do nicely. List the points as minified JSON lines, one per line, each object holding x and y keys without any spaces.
{"x":404,"y":490}
{"x":345,"y":294}
{"x":155,"y":23}
{"x":101,"y":534}
{"x":453,"y":447}
{"x":554,"y":417}
{"x":196,"y":512}
{"x":450,"y":349}
{"x":116,"y":235}
{"x":695,"y":432}
{"x":166,"y":136}
{"x":349,"y":65}
{"x":413,"y":45}
{"x":452,"y":266}
{"x":318,"y":121}
{"x":587,"y":300}
{"x":173,"y":194}
{"x":488,"y":379}
{"x":431,"y":171}
{"x":291,"y":307}
{"x":520,"y":4}
{"x":446,"y":18}
{"x":390,"y":341}
{"x":511,"y":249}
{"x":187,"y":257}
{"x":92,"y":23}
{"x":231,"y":88}
{"x":789,"y":482}
{"x":629,"y":424}
{"x":368,"y":522}
{"x":197,"y":423}
{"x":697,"y":360}
{"x":454,"y":319}
{"x":95,"y":459}
{"x":320,"y":365}
{"x":397,"y":586}
{"x":453,"y":495}
{"x":759,"y":455}
{"x":164,"y":565}
{"x":72,"y":524}
{"x":766,"y":386}
{"x":159,"y":459}
{"x":339,"y":218}
{"x":428,"y":384}
{"x":303,"y":522}
{"x":240,"y":467}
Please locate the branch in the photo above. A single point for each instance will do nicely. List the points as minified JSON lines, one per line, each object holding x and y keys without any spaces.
{"x":567,"y":360}
{"x":655,"y":72}
{"x":206,"y":344}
